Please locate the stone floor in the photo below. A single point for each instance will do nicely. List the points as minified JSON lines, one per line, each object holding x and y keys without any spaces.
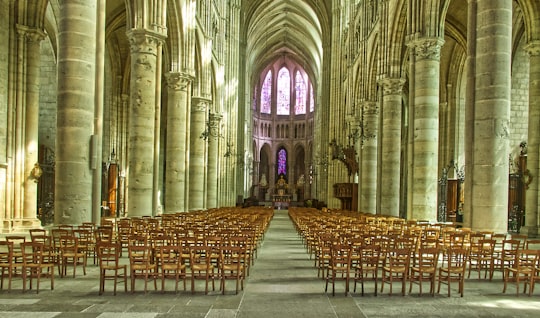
{"x":283,"y":283}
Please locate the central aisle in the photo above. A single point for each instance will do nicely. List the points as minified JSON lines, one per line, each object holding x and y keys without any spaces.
{"x":284,"y":282}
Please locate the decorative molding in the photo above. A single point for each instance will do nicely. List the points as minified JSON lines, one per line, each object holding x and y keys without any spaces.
{"x":200,"y":104}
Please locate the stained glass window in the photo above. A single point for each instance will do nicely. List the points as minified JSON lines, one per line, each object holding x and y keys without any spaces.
{"x":282,"y":162}
{"x":311,"y":100}
{"x":283,"y":92}
{"x":300,"y":90}
{"x":266,"y":94}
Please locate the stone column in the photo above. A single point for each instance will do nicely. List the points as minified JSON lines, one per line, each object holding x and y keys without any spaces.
{"x":179,"y":90}
{"x":533,"y":142}
{"x":391,"y":145}
{"x":367,"y":186}
{"x":199,"y":106}
{"x":213,"y":153}
{"x":424,"y":125}
{"x":75,"y":124}
{"x":144,"y":45}
{"x":488,"y":174}
{"x":33,"y":37}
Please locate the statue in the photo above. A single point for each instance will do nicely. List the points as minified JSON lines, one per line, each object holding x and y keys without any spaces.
{"x":300,"y":183}
{"x":263,"y":183}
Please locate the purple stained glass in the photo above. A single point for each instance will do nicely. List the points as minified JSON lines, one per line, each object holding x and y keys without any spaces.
{"x":282,"y":162}
{"x":266,"y":94}
{"x":311,"y":100}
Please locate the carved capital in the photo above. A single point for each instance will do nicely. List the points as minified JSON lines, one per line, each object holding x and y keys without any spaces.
{"x":392,"y":86}
{"x":370,"y":108}
{"x":30,"y":34}
{"x":144,"y":41}
{"x":199,"y":104}
{"x":533,"y":48}
{"x":427,"y":48}
{"x":178,"y":81}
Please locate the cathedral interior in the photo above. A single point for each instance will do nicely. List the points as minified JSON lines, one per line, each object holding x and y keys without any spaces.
{"x":419,"y":109}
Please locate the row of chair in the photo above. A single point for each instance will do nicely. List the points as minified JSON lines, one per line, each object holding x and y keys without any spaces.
{"x":153,"y":245}
{"x":413,"y":254}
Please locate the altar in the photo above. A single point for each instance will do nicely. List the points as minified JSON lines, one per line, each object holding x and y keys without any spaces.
{"x":281,"y":202}
{"x":281,"y":199}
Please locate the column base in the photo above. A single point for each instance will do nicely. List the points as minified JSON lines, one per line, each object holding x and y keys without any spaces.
{"x":23,"y":225}
{"x":531,"y":231}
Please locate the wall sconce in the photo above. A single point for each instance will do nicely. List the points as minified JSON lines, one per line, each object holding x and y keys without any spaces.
{"x":36,"y":172}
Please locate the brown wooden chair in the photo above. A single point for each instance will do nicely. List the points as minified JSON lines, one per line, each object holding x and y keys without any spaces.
{"x":483,"y":258}
{"x":396,"y":267}
{"x":367,"y":267}
{"x":141,"y":265}
{"x":110,"y":268}
{"x":425,"y":268}
{"x":37,"y":263}
{"x":339,"y":267}
{"x":7,"y":264}
{"x":72,"y":254}
{"x":453,"y":269}
{"x":171,"y":265}
{"x":201,"y":267}
{"x":232,"y":266}
{"x":523,"y":269}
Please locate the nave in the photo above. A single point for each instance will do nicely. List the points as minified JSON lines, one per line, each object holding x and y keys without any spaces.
{"x":282,"y":283}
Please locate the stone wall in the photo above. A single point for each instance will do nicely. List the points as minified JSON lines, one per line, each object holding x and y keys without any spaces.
{"x":520,"y":99}
{"x":47,"y":96}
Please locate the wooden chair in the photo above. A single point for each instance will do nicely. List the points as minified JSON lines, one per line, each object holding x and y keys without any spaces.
{"x":36,"y":264}
{"x":507,"y":255}
{"x":453,"y":269}
{"x":171,"y":265}
{"x":425,"y":269}
{"x":339,"y":267}
{"x":232,"y":266}
{"x":523,"y":269}
{"x":108,"y":257}
{"x":535,"y":277}
{"x":396,"y":267}
{"x":141,"y":265}
{"x":7,"y":265}
{"x":483,"y":258}
{"x":367,"y":268}
{"x":201,"y":267}
{"x":71,"y":254}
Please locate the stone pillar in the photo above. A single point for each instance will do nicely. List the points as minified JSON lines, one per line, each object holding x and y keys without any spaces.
{"x":489,"y":139}
{"x":367,"y":187}
{"x":391,"y":145}
{"x":76,"y":90}
{"x":33,"y":37}
{"x":144,"y":45}
{"x":179,"y":90}
{"x":533,"y":142}
{"x":424,"y":125}
{"x":199,"y":106}
{"x":213,"y":153}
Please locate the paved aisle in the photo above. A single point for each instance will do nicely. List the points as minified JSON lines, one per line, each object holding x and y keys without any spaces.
{"x":284,"y":283}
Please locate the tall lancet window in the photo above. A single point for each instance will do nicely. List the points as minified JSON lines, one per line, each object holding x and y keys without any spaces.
{"x":283,"y":92}
{"x":300,"y":90}
{"x":311,"y":100}
{"x":266,"y":94}
{"x":282,"y":162}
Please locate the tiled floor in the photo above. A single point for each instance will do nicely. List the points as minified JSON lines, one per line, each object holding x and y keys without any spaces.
{"x":283,"y":283}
